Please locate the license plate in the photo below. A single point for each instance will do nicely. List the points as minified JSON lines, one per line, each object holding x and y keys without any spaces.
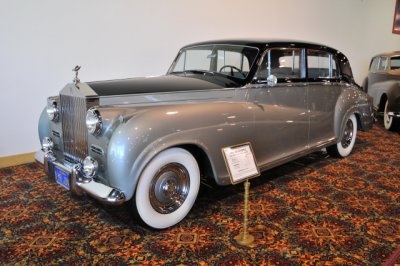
{"x":62,"y":178}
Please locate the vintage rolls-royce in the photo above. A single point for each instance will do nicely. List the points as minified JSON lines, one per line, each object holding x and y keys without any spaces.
{"x":383,"y":84}
{"x":148,"y":140}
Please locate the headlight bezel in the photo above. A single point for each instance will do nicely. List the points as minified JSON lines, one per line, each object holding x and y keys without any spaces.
{"x":94,"y":122}
{"x":52,"y":110}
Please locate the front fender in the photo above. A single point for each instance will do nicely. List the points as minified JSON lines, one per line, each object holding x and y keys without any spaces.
{"x":43,"y":125}
{"x":208,"y":126}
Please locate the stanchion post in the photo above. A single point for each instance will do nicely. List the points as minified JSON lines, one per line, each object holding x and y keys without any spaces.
{"x":245,"y":238}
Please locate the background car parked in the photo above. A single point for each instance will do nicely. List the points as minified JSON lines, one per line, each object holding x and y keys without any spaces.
{"x":383,"y":84}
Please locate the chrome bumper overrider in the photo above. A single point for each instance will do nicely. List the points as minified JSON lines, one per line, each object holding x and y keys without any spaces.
{"x":80,"y":184}
{"x":394,"y":114}
{"x":390,"y":114}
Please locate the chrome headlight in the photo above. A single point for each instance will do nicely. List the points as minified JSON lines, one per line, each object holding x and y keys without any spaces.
{"x":52,"y":110}
{"x":90,"y":166}
{"x":93,"y":121}
{"x":47,"y":144}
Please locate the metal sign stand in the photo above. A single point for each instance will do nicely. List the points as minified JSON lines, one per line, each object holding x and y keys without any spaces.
{"x":241,"y":164}
{"x":244,"y":238}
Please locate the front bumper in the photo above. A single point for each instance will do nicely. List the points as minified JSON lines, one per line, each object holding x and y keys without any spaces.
{"x":78,"y":183}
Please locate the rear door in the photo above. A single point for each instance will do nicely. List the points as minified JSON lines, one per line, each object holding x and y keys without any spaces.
{"x":323,"y":92}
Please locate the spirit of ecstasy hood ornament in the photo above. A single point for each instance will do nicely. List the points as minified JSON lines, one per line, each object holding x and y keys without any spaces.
{"x":76,"y":79}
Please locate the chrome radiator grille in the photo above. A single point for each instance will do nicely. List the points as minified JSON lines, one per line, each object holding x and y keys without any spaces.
{"x":73,"y":117}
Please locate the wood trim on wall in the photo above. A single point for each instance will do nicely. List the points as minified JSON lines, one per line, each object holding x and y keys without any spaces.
{"x":17,"y":159}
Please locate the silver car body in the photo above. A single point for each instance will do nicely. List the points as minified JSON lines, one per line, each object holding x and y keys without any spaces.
{"x":282,"y":121}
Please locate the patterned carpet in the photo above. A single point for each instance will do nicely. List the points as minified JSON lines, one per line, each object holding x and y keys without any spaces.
{"x":314,"y":211}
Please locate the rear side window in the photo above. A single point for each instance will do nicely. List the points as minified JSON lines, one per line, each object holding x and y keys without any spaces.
{"x":346,"y":70}
{"x":321,"y":65}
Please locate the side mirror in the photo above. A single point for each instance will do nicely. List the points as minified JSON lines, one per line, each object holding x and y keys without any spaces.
{"x":272,"y":80}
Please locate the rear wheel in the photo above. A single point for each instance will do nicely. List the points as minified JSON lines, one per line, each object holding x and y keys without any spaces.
{"x":389,"y":122}
{"x":167,"y":188}
{"x":344,"y":147}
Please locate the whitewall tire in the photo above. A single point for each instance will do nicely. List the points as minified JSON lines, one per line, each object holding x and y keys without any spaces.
{"x":167,"y":188}
{"x":345,"y":145}
{"x":389,"y":122}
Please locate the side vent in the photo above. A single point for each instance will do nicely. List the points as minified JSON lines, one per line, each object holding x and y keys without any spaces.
{"x":56,"y":134}
{"x":97,"y":150}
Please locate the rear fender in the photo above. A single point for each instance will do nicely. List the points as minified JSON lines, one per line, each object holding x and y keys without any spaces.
{"x":352,"y":101}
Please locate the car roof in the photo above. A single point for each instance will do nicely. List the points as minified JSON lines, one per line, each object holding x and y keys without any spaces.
{"x":389,"y":54}
{"x":262,"y":43}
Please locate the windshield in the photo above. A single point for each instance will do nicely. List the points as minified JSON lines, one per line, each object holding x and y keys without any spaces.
{"x":229,"y":60}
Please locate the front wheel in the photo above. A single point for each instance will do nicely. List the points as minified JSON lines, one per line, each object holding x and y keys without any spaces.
{"x":389,"y":122}
{"x":167,"y":188}
{"x":344,"y":147}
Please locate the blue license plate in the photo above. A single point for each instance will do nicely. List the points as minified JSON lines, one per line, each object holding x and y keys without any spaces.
{"x":62,"y":178}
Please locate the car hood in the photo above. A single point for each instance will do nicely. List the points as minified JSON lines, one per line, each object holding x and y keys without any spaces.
{"x":168,"y":83}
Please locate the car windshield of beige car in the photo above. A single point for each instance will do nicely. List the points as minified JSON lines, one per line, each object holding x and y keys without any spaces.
{"x":227,"y":60}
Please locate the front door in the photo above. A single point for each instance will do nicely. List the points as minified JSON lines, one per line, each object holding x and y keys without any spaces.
{"x":280,"y":111}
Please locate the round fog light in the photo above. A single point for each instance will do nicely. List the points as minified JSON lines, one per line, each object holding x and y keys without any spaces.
{"x":47,"y":144}
{"x":90,"y":166}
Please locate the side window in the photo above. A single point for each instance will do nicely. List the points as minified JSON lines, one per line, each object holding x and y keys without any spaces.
{"x":383,"y":63}
{"x":395,"y":62}
{"x":283,"y":63}
{"x":321,"y":65}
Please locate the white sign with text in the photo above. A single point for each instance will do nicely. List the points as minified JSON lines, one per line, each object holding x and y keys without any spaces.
{"x":240,"y":162}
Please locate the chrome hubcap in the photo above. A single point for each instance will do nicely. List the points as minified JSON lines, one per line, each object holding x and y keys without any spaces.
{"x":348,"y":134}
{"x":386,"y":118}
{"x":169,"y":188}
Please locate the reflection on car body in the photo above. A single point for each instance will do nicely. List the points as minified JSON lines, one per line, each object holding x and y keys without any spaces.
{"x":150,"y":139}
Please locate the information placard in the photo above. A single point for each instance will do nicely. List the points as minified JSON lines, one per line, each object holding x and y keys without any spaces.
{"x":240,"y":161}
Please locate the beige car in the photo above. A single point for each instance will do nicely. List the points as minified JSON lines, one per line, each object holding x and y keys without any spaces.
{"x":383,"y":84}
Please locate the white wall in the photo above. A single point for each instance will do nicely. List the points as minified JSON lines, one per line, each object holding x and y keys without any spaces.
{"x":41,"y":41}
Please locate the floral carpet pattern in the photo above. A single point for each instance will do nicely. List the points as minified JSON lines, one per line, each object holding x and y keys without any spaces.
{"x":316,"y":210}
